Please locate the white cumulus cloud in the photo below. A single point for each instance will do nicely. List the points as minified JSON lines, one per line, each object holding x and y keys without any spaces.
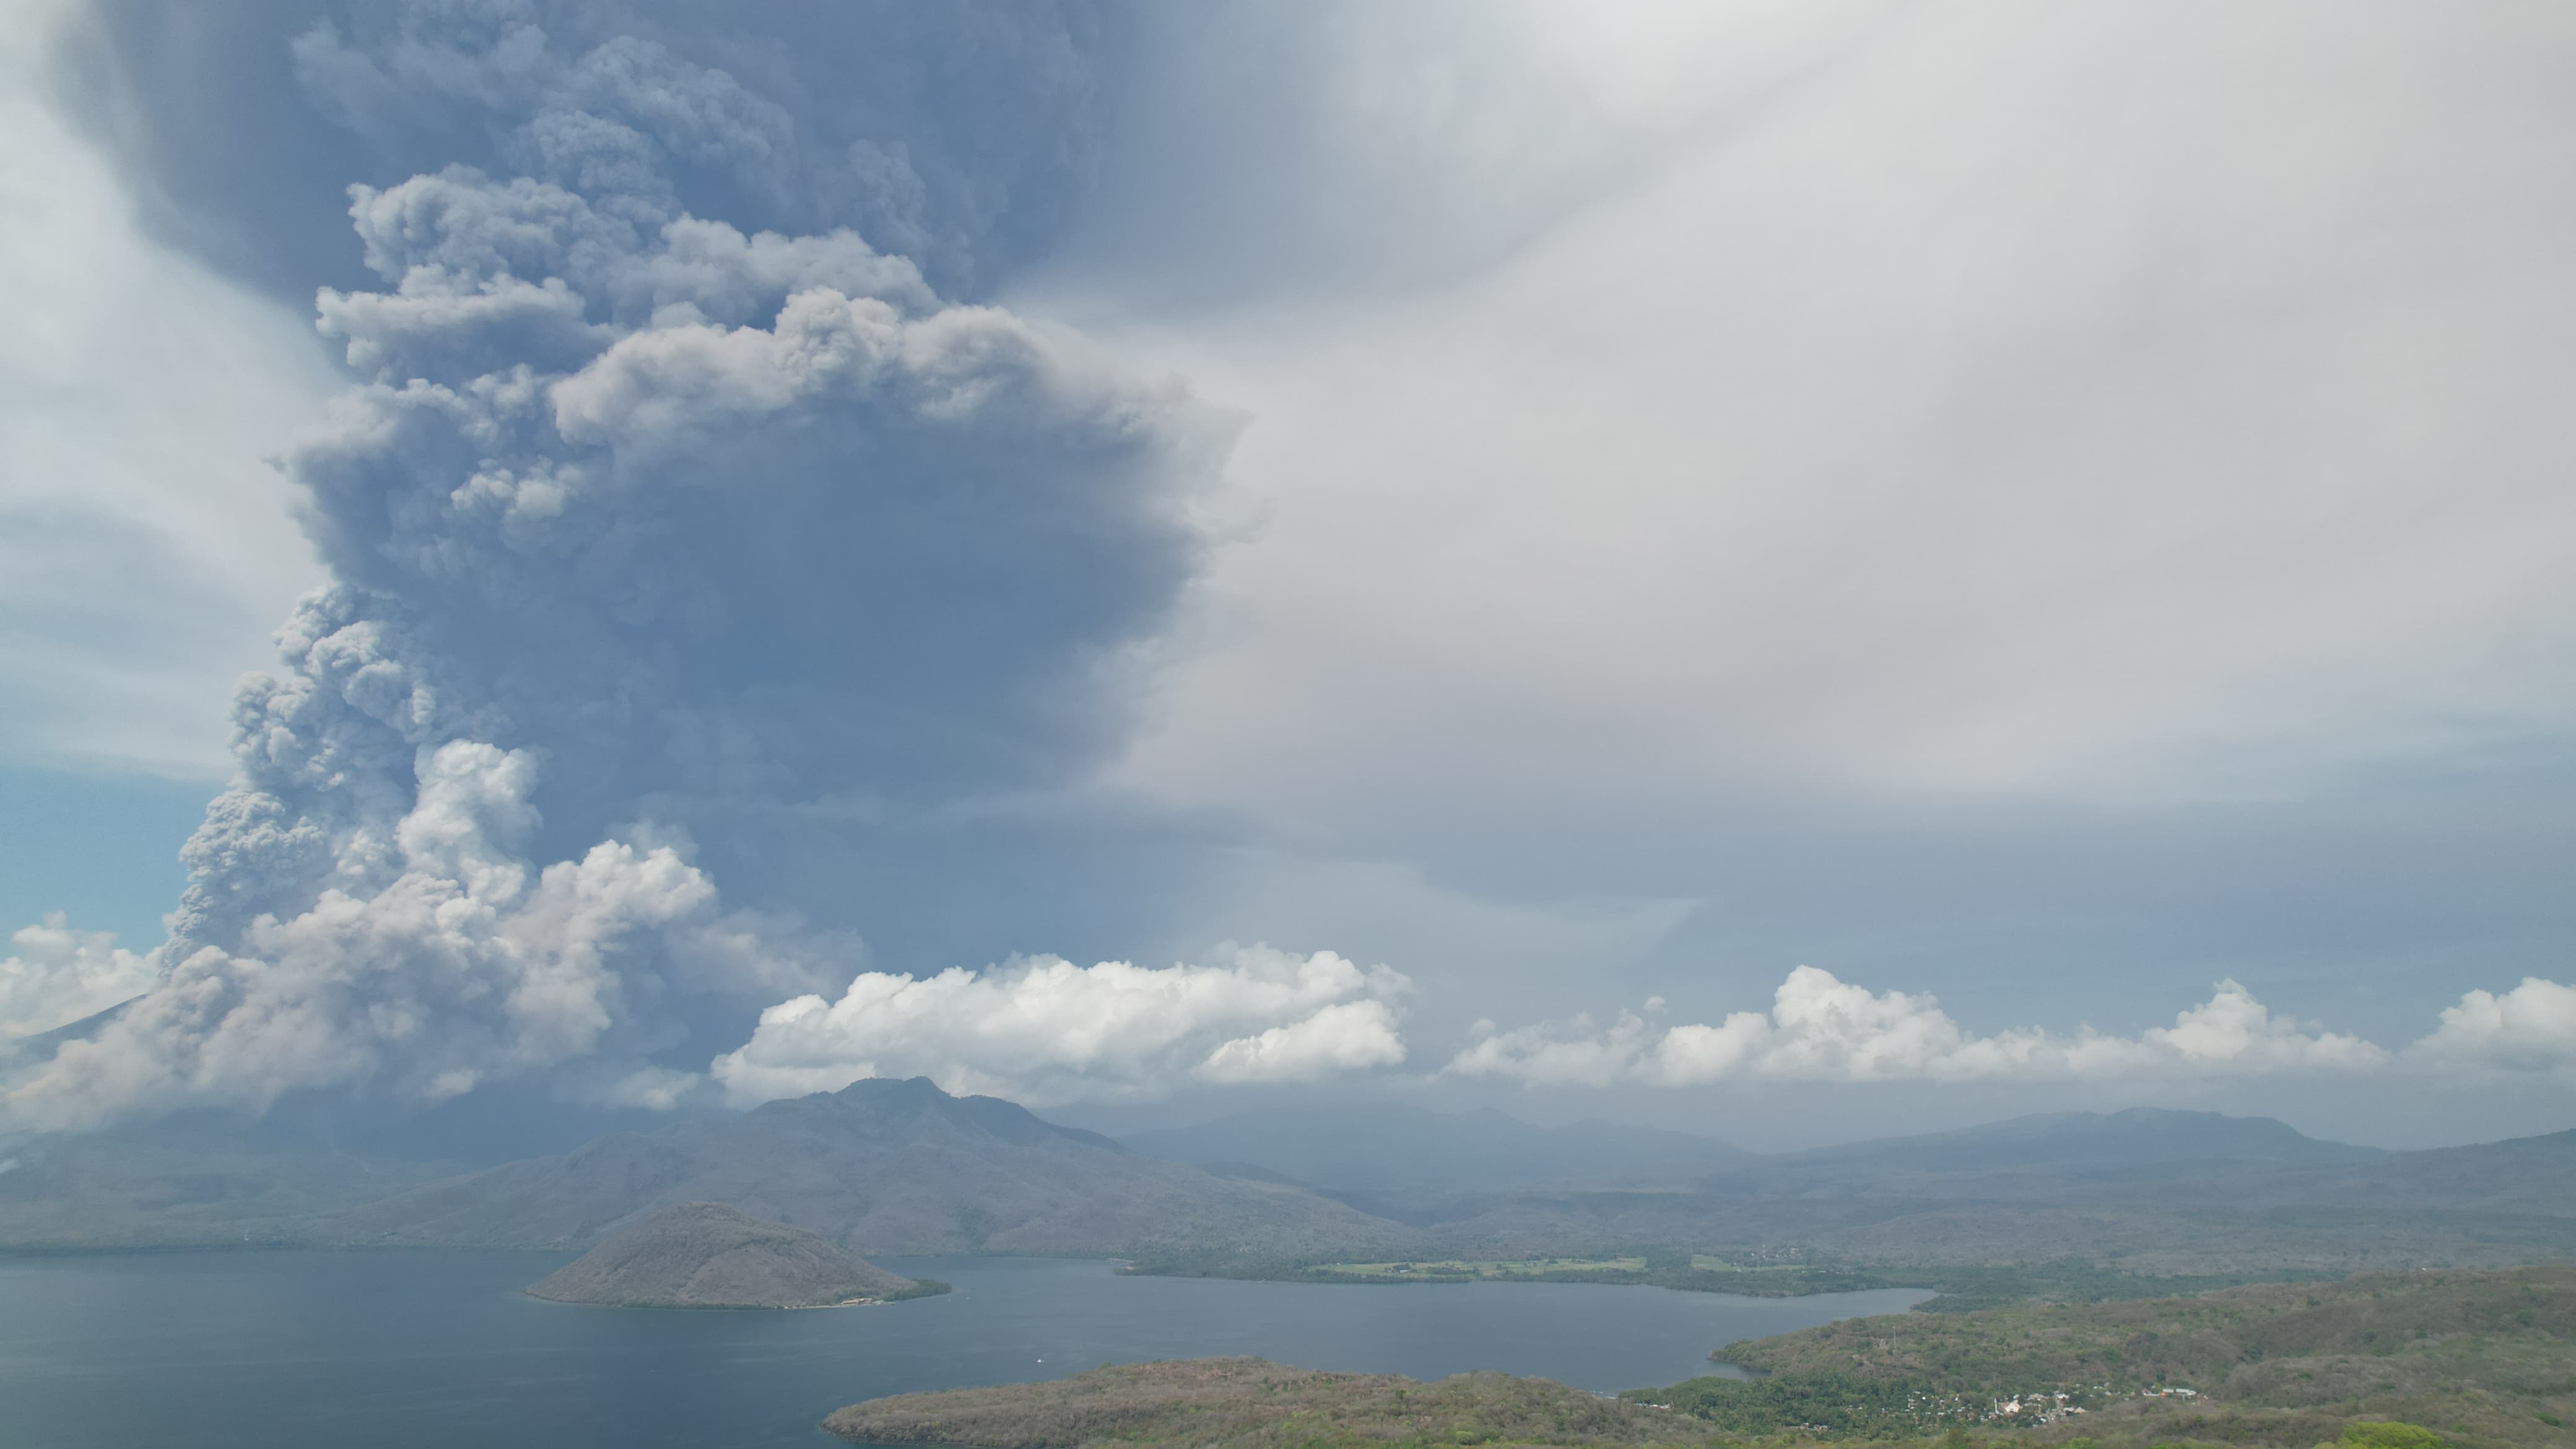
{"x":1046,"y":1030}
{"x":55,"y":975}
{"x":2531,"y":1028}
{"x":1347,"y":1037}
{"x":1823,"y":1029}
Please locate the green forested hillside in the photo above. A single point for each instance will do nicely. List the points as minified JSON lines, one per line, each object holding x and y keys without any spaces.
{"x":2399,"y":1361}
{"x":2484,"y":1358}
{"x":1250,"y":1403}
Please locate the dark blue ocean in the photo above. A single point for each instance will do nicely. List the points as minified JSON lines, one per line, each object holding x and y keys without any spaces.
{"x":441,"y":1351}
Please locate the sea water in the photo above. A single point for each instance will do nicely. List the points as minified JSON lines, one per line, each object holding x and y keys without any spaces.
{"x":440,"y":1350}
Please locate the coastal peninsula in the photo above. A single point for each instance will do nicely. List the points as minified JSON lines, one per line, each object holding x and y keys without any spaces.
{"x":708,"y":1255}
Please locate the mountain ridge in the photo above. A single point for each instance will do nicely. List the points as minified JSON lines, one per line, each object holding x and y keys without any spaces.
{"x":887,"y":1166}
{"x":2167,"y":1132}
{"x":1401,"y":1151}
{"x":881,"y":1166}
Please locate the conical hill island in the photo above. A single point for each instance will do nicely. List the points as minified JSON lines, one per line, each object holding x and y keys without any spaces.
{"x":707,"y":1255}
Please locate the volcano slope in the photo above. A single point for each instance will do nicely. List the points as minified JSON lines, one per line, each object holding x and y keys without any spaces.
{"x":2485,"y":1358}
{"x":881,"y":1166}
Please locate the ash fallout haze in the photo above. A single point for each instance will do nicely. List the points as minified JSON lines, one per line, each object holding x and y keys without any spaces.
{"x":1784,"y":572}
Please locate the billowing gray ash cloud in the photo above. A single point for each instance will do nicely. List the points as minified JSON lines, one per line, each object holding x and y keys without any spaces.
{"x":640,"y":520}
{"x":960,"y":135}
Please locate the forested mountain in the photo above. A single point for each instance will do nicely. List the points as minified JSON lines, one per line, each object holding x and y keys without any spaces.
{"x":2150,"y":1192}
{"x":2412,"y":1361}
{"x":881,"y":1166}
{"x":2483,"y":1358}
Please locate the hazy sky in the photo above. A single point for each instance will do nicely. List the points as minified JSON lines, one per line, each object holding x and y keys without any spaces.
{"x":1794,"y":569}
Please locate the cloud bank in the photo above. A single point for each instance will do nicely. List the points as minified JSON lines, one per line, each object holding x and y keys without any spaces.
{"x":145,"y":549}
{"x":1045,"y":1030}
{"x":1823,"y":1029}
{"x":1956,"y":414}
{"x":2530,"y":1029}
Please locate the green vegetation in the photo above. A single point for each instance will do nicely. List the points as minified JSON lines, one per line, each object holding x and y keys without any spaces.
{"x":708,"y":1255}
{"x":2397,"y":1361}
{"x":1971,"y":1289}
{"x":1824,"y":1405}
{"x":1247,"y":1403}
{"x":1460,"y":1270}
{"x":1652,"y":1267}
{"x":1244,"y":1403}
{"x":2389,"y":1434}
{"x":1771,"y":1274}
{"x":2477,"y":1359}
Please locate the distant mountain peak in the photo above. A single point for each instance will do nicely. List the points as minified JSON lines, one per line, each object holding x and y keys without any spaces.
{"x":2132,"y":1135}
{"x":887,"y":1102}
{"x":882,"y":1165}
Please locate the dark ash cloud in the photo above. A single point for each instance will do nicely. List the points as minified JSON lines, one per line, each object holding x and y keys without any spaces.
{"x":639,"y":519}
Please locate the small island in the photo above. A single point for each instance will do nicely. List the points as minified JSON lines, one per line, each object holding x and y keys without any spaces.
{"x":708,"y":1255}
{"x":1251,"y":1403}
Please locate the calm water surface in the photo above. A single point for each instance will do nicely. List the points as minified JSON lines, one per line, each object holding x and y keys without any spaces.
{"x":441,"y":1351}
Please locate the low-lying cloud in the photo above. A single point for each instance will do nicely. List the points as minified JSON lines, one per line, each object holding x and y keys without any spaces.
{"x":1045,"y":1030}
{"x":1823,"y":1029}
{"x":2530,"y":1029}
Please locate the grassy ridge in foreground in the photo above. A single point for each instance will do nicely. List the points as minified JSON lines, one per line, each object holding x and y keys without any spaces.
{"x":2478,"y":1360}
{"x":1250,"y":1403}
{"x":2484,"y":1358}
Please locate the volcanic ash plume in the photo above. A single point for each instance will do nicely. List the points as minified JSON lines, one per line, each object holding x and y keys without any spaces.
{"x":636,"y":521}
